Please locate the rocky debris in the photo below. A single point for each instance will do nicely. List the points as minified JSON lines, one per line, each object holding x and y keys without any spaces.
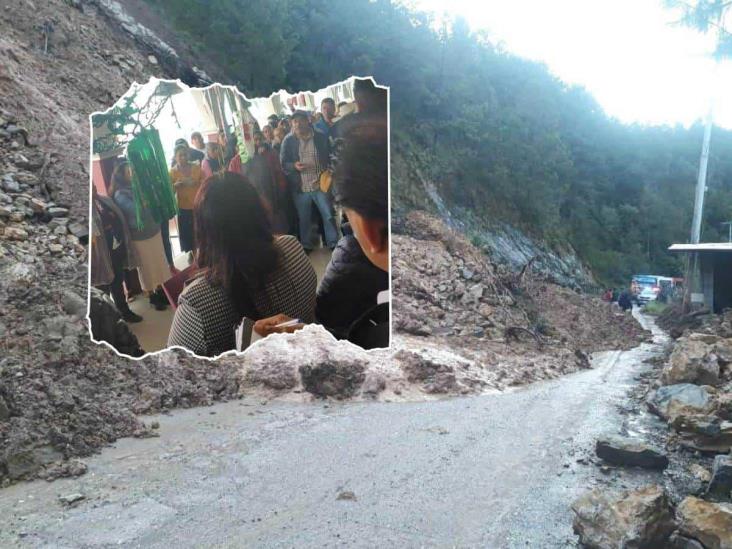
{"x":346,"y":495}
{"x":22,"y":463}
{"x":4,"y":410}
{"x":639,"y":518}
{"x":707,"y":522}
{"x":700,"y":472}
{"x":337,"y":379}
{"x":310,"y":358}
{"x":702,"y":321}
{"x":692,"y":361}
{"x":628,"y":452}
{"x":373,"y":384}
{"x":277,"y":375}
{"x":720,"y":485}
{"x":672,"y":401}
{"x":65,"y":469}
{"x":435,"y":377}
{"x":446,"y":287}
{"x":107,"y":325}
{"x":73,"y":304}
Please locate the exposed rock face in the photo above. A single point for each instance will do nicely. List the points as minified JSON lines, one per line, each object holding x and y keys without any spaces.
{"x":164,"y":53}
{"x":681,"y":399}
{"x":708,"y":522}
{"x":692,"y":361}
{"x":624,"y":451}
{"x":636,"y":519}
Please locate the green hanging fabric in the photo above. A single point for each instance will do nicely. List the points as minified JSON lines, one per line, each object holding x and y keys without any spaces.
{"x":241,"y":145}
{"x":151,"y":187}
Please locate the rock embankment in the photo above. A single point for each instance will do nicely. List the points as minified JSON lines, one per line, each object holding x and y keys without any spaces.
{"x":691,"y":391}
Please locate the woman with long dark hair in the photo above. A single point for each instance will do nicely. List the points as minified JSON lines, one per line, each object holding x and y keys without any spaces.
{"x":247,"y":271}
{"x":146,"y":239}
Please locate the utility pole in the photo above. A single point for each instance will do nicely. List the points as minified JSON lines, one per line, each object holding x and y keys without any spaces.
{"x":701,"y":182}
{"x":701,"y":188}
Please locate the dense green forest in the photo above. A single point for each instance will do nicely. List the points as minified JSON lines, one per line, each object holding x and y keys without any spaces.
{"x":497,"y":134}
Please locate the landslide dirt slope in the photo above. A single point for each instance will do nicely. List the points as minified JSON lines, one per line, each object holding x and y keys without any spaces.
{"x":62,"y":396}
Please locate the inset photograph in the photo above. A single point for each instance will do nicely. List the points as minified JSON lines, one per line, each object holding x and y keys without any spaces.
{"x":217,"y":220}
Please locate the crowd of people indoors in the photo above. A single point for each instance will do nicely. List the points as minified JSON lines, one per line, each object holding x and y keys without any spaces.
{"x":249,"y":225}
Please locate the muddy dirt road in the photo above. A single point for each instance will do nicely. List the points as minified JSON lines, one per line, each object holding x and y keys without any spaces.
{"x":491,"y":471}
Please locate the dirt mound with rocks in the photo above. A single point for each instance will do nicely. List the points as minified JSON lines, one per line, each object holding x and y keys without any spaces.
{"x":448,"y":294}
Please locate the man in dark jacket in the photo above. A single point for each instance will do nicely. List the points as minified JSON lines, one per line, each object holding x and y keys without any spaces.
{"x":304,"y":155}
{"x":624,"y":300}
{"x":349,"y":287}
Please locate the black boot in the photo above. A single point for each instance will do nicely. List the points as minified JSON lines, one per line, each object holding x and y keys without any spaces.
{"x":159,"y":300}
{"x":130,"y":317}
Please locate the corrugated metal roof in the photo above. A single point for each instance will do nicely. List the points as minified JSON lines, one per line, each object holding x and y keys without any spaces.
{"x":703,"y":247}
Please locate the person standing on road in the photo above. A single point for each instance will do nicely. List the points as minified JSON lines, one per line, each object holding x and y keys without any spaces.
{"x":624,"y":301}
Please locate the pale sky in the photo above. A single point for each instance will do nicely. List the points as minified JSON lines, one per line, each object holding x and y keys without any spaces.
{"x":624,"y":52}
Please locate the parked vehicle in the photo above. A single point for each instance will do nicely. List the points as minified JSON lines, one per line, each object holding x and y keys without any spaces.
{"x":647,"y":294}
{"x":649,"y":286}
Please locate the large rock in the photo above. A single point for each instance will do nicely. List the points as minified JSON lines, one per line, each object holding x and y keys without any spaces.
{"x":681,"y":399}
{"x":708,"y":522}
{"x":625,"y":451}
{"x":22,"y":464}
{"x":640,"y":518}
{"x":720,"y":487}
{"x":15,"y":233}
{"x":692,"y":361}
{"x":677,"y":541}
{"x":325,"y":366}
{"x":708,"y":434}
{"x":340,"y":379}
